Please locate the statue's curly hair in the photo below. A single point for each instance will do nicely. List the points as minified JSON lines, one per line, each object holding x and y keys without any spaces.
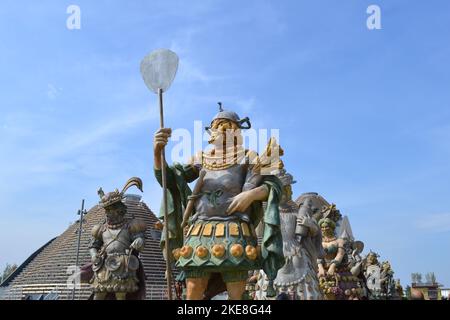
{"x":327,"y":221}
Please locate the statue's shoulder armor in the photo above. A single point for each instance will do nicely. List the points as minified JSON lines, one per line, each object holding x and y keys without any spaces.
{"x":136,"y":226}
{"x":98,"y":230}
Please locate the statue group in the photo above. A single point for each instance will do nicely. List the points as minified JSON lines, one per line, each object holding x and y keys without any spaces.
{"x":238,"y":231}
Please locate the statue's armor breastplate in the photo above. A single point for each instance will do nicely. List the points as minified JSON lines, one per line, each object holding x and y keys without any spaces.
{"x":219,"y":186}
{"x":116,"y":240}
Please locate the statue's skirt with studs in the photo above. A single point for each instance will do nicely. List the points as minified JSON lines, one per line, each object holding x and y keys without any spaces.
{"x":219,"y":246}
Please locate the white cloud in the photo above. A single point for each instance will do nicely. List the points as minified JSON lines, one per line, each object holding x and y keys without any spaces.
{"x":189,"y":71}
{"x":94,"y":134}
{"x":434,"y":222}
{"x":83,"y":150}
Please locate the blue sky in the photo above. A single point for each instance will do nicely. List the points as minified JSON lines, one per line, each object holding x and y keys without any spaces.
{"x":363,"y":115}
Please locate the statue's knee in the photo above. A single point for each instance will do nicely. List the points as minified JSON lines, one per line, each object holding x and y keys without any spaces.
{"x":197,"y":283}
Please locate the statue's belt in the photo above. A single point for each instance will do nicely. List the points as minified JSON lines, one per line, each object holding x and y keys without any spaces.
{"x":114,"y":261}
{"x":221,"y":229}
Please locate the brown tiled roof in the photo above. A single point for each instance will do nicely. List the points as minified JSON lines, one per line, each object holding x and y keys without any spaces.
{"x":47,"y":271}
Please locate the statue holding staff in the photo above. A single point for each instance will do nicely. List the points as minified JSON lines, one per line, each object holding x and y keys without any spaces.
{"x":219,"y":242}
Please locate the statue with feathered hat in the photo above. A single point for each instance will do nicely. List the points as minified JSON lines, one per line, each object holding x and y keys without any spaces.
{"x":115,"y":248}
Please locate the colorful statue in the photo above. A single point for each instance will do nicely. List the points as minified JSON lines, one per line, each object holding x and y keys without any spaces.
{"x":227,"y":206}
{"x":302,"y":246}
{"x":356,"y":264}
{"x":372,"y":273}
{"x":387,"y":281}
{"x":115,"y":247}
{"x":336,"y":279}
{"x":398,"y":289}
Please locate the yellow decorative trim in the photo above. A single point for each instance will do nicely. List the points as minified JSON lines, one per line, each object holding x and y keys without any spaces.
{"x":218,"y":250}
{"x":186,"y":251}
{"x":245,"y":229}
{"x":201,"y":252}
{"x":236,"y":250}
{"x":176,"y":253}
{"x":232,"y":157}
{"x":196,"y":230}
{"x":234,"y":229}
{"x":251,"y":252}
{"x":220,"y":230}
{"x":207,"y":230}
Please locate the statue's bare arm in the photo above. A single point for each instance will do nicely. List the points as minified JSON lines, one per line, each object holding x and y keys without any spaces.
{"x":338,"y":259}
{"x":244,"y":199}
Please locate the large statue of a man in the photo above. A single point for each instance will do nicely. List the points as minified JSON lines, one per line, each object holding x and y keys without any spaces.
{"x":114,"y":249}
{"x":220,"y":238}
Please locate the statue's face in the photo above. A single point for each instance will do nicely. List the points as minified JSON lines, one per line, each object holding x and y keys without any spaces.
{"x":327,"y":230}
{"x":372,"y":259}
{"x":222,"y":129}
{"x":115,"y":213}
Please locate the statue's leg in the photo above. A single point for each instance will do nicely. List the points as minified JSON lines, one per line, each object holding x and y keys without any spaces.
{"x":100,"y":296}
{"x":195,"y":287}
{"x":236,"y":289}
{"x":121,"y":295}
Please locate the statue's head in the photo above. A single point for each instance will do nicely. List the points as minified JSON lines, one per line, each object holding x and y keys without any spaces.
{"x":287,"y":180}
{"x":115,"y":209}
{"x":386,"y":266}
{"x":327,"y":226}
{"x":226,"y":128}
{"x":372,"y":258}
{"x":115,"y":213}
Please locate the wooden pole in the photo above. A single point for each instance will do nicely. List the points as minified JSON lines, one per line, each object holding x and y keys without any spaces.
{"x":164,"y":185}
